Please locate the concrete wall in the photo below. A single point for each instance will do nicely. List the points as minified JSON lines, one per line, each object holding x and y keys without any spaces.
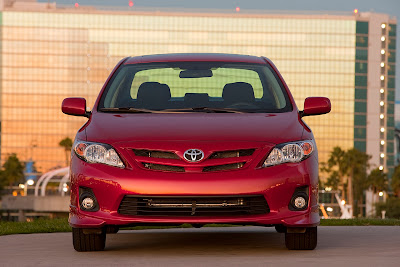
{"x":39,"y":204}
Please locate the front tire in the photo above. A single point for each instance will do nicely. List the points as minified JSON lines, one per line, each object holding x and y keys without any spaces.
{"x":112,"y":229}
{"x":302,"y":241}
{"x":280,"y":228}
{"x":88,"y":242}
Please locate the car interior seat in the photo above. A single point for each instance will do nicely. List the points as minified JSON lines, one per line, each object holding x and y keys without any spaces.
{"x":239,"y":92}
{"x":153,"y":95}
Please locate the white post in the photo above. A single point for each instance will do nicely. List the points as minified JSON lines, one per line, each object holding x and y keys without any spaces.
{"x":383,"y":214}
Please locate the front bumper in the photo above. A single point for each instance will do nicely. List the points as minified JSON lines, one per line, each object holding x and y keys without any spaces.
{"x":277,"y":184}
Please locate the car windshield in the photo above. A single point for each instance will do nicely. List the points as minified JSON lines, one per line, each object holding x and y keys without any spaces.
{"x":195,"y":87}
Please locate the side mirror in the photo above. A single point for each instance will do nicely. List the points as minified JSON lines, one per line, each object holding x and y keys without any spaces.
{"x":75,"y":106}
{"x":316,"y":106}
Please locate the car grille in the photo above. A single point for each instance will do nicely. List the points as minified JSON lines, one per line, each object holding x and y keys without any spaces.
{"x":193,"y":206}
{"x":224,"y":167}
{"x":170,"y":162}
{"x":160,"y":167}
{"x":232,"y":154}
{"x":155,"y":154}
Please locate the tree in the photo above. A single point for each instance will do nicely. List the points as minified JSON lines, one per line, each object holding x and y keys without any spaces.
{"x":347,"y":170}
{"x":357,"y":166}
{"x":333,"y":180}
{"x":391,"y":206}
{"x":13,"y":171}
{"x":3,"y":181}
{"x":66,"y":143}
{"x":377,"y":181}
{"x":336,"y":168}
{"x":396,"y":181}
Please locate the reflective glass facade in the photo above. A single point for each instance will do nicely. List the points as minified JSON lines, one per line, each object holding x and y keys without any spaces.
{"x":361,"y":86}
{"x":389,"y":72}
{"x":52,"y":54}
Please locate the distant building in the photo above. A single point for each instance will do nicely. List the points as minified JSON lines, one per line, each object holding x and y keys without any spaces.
{"x":50,"y":52}
{"x":397,"y":133}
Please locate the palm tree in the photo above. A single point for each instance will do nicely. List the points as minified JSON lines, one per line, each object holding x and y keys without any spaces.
{"x":66,"y":143}
{"x":347,"y":169}
{"x":377,"y":181}
{"x":336,"y":168}
{"x":357,"y":166}
{"x":395,"y":184}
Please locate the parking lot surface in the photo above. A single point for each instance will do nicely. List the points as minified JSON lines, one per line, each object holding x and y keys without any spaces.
{"x":219,"y":246}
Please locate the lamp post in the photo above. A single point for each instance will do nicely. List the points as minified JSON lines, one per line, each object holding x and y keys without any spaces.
{"x":25,"y":186}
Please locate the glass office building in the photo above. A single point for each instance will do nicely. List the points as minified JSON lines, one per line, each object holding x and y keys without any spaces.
{"x":49,"y":53}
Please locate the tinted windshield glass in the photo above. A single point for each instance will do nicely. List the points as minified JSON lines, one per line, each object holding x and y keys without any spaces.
{"x":188,"y":85}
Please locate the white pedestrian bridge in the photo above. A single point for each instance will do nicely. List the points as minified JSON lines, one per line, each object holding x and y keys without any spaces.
{"x":42,"y":200}
{"x":41,"y":184}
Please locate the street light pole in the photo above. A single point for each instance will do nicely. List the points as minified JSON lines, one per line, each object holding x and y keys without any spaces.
{"x":25,"y":186}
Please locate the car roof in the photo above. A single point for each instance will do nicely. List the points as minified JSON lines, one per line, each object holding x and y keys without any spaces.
{"x":204,"y":57}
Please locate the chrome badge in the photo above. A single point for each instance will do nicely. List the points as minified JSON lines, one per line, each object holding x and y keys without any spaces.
{"x":193,"y":155}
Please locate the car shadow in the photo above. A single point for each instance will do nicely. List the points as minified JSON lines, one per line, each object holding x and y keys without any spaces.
{"x":207,"y":241}
{"x":217,"y":241}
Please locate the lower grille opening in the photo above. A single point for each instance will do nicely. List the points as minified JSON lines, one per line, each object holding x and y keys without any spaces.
{"x":224,"y":167}
{"x":160,"y":167}
{"x":193,"y":206}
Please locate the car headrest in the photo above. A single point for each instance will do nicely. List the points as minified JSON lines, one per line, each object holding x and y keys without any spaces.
{"x":153,"y":95}
{"x":237,"y":93}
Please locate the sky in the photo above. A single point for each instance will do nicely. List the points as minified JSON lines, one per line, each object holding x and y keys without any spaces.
{"x":391,"y":7}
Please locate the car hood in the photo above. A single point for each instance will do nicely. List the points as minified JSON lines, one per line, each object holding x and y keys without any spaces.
{"x":260,"y":127}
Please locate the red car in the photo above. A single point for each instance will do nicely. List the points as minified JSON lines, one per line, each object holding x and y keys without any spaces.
{"x":198,"y":139}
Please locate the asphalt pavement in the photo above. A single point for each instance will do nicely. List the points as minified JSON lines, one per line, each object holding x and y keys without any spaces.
{"x":220,"y":246}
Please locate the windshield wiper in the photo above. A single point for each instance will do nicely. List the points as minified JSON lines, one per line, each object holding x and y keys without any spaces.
{"x":205,"y":109}
{"x":196,"y":109}
{"x":130,"y":110}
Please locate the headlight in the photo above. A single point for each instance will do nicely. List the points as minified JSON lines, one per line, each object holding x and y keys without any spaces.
{"x":289,"y":152}
{"x":97,"y":153}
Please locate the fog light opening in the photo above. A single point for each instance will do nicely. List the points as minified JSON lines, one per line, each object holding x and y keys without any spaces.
{"x":88,"y":203}
{"x":300,"y":202}
{"x":87,"y":200}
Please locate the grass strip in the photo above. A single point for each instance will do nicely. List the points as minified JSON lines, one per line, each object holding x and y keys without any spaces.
{"x":36,"y":226}
{"x":360,"y":222}
{"x":61,"y":225}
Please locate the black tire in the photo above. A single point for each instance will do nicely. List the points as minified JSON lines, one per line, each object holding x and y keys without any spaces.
{"x":280,"y":228}
{"x":112,"y":229}
{"x":304,"y":241}
{"x":88,"y":242}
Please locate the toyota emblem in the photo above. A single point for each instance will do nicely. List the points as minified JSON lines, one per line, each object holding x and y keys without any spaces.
{"x":193,"y":155}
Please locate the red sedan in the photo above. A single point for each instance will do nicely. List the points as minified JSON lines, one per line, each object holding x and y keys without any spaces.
{"x":198,"y":139}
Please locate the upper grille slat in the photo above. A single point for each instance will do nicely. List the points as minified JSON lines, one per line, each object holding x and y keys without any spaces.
{"x":232,"y":154}
{"x":155,"y":154}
